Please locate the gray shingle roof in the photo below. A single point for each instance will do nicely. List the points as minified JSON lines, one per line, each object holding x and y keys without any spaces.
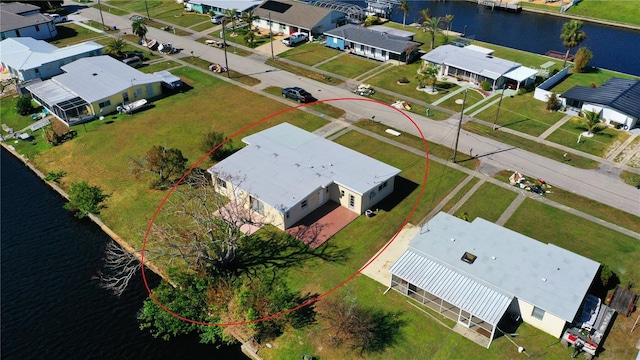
{"x":295,"y":13}
{"x":284,"y":164}
{"x":10,"y":18}
{"x":620,"y":94}
{"x":544,"y":275}
{"x":371,"y":37}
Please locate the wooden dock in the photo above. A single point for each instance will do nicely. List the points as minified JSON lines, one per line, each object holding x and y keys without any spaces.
{"x":499,"y":5}
{"x":559,"y":55}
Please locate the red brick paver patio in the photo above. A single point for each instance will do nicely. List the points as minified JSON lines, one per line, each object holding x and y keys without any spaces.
{"x":316,"y":228}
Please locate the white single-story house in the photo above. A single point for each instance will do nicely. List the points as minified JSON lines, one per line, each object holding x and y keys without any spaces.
{"x":379,"y":42}
{"x":26,"y":58}
{"x":285,"y":173}
{"x":617,"y":101}
{"x":477,"y":273}
{"x":96,"y":86}
{"x":25,"y":20}
{"x":477,"y":64}
{"x":288,"y":17}
{"x":221,"y":6}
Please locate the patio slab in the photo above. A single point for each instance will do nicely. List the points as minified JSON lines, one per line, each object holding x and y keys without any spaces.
{"x":378,"y":269}
{"x":316,"y":228}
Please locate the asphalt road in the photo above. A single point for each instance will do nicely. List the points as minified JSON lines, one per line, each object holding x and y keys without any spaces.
{"x":602,"y":185}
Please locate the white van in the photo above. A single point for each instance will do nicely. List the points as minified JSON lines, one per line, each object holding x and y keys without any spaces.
{"x":295,"y":39}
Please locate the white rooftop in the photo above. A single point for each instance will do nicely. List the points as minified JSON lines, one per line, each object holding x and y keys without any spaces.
{"x":480,"y":49}
{"x":522,"y":73}
{"x":547,"y":276}
{"x":240,"y":5}
{"x":25,"y":53}
{"x":471,"y":60}
{"x":284,"y":164}
{"x":392,"y":31}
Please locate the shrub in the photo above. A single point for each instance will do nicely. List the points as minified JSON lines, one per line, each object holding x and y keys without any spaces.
{"x":85,"y":199}
{"x":55,"y":176}
{"x":486,"y":86}
{"x":23,"y":106}
{"x":403,"y":80}
{"x":552,"y":102}
{"x":372,"y":20}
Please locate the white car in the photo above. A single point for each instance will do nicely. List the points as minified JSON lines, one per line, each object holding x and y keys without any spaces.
{"x":295,"y":38}
{"x":57,"y":18}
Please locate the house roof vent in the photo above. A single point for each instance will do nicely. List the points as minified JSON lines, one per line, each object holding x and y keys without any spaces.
{"x":468,"y":257}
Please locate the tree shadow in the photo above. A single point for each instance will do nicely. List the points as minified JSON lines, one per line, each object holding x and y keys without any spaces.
{"x":64,"y":32}
{"x":386,"y":330}
{"x":515,"y":122}
{"x":402,"y":189}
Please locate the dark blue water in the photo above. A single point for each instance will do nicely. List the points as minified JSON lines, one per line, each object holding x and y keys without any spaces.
{"x":51,"y":308}
{"x":613,"y":48}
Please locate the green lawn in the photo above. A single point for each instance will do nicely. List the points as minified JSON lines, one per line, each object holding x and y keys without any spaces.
{"x":632,"y":179}
{"x":350,"y":66}
{"x":203,"y":26}
{"x":488,"y":202}
{"x":529,"y":145}
{"x":159,"y":66}
{"x":110,"y":9}
{"x":472,"y":98}
{"x":600,"y":144}
{"x":619,"y":11}
{"x":454,"y":200}
{"x":521,"y":113}
{"x":203,"y":64}
{"x":9,"y":115}
{"x":304,"y":72}
{"x":69,"y":34}
{"x":176,"y":121}
{"x":594,"y":78}
{"x":415,"y":142}
{"x":524,"y":58}
{"x":309,"y":53}
{"x":231,"y":49}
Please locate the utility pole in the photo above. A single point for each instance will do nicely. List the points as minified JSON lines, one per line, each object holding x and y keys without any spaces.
{"x":101,"y":18}
{"x":271,"y":37}
{"x":147,"y":7}
{"x":224,"y":42}
{"x":495,"y":121}
{"x":455,"y":148}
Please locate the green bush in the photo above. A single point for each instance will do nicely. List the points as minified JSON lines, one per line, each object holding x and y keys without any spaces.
{"x":486,"y":86}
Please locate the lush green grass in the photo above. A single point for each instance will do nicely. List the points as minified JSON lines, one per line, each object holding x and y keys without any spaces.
{"x":521,"y":113}
{"x":238,"y":37}
{"x":528,"y":145}
{"x":69,"y":34}
{"x":324,"y":108}
{"x":488,"y":202}
{"x":148,"y":55}
{"x":632,"y":179}
{"x":231,"y":49}
{"x":454,"y":200}
{"x":596,"y":77}
{"x":350,"y":66}
{"x":304,"y":72}
{"x":522,"y":57}
{"x":421,"y":36}
{"x":473,"y":97}
{"x":110,"y":9}
{"x":415,"y":142}
{"x":175,"y":122}
{"x":619,"y":11}
{"x":203,"y":26}
{"x":168,"y":28}
{"x":309,"y":53}
{"x":600,"y":144}
{"x":9,"y":115}
{"x":159,"y":66}
{"x":203,"y":64}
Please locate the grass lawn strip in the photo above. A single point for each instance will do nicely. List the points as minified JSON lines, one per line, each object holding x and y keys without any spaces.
{"x":326,"y":79}
{"x":488,"y":202}
{"x":309,"y":54}
{"x":239,"y":77}
{"x":349,"y":66}
{"x":601,"y":144}
{"x":529,"y":145}
{"x":457,"y":196}
{"x":632,"y":179}
{"x":70,"y":34}
{"x":597,"y":78}
{"x":321,"y":107}
{"x":110,"y":9}
{"x":159,"y":66}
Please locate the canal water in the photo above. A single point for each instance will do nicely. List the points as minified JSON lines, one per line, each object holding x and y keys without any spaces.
{"x":50,"y":306}
{"x":613,"y":48}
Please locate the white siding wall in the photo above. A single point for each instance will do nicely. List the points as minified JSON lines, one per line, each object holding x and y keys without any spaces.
{"x":43,"y":32}
{"x":609,"y":114}
{"x":549,"y":323}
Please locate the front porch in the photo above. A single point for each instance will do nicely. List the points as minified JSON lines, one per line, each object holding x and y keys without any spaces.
{"x":324,"y":222}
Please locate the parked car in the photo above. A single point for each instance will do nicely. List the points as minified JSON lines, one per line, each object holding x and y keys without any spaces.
{"x":295,"y":38}
{"x":130,"y":54}
{"x":57,"y":18}
{"x":136,"y":17}
{"x":217,"y":19}
{"x":133,"y":61}
{"x":298,"y":94}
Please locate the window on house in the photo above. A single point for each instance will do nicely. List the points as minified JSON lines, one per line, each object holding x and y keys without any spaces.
{"x":362,"y":48}
{"x":37,"y":28}
{"x":341,"y":193}
{"x":37,"y":71}
{"x":372,"y":195}
{"x":468,"y":258}
{"x":256,"y":205}
{"x":537,"y":313}
{"x":384,"y":53}
{"x":104,"y":104}
{"x":352,"y":201}
{"x":286,"y":214}
{"x":221,"y":183}
{"x":303,"y":204}
{"x":382,"y":186}
{"x":125,"y":97}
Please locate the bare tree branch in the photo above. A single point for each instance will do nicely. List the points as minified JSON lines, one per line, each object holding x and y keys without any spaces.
{"x":120,"y":265}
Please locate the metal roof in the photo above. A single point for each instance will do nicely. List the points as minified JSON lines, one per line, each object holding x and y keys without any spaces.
{"x":26,"y":53}
{"x":521,"y":74}
{"x":370,"y":37}
{"x":293,"y":13}
{"x":544,"y":275}
{"x":51,"y":92}
{"x":469,"y":59}
{"x":480,"y":299}
{"x":284,"y":164}
{"x":620,"y":94}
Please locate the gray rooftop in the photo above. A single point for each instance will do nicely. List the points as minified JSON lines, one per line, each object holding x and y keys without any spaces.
{"x":292,"y":12}
{"x":620,"y":94}
{"x":470,"y":60}
{"x":284,"y":164}
{"x":240,"y":5}
{"x":27,"y":53}
{"x":547,"y":276}
{"x":376,"y":38}
{"x":11,"y":18}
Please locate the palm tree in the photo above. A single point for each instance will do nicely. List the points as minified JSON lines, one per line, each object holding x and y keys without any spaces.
{"x":249,"y":17}
{"x":448,"y":19}
{"x":428,"y":76}
{"x":404,"y":7}
{"x":432,"y":26}
{"x":230,"y":15}
{"x":424,"y":15}
{"x":572,"y":35}
{"x":591,"y":121}
{"x":115,"y":46}
{"x":139,"y":28}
